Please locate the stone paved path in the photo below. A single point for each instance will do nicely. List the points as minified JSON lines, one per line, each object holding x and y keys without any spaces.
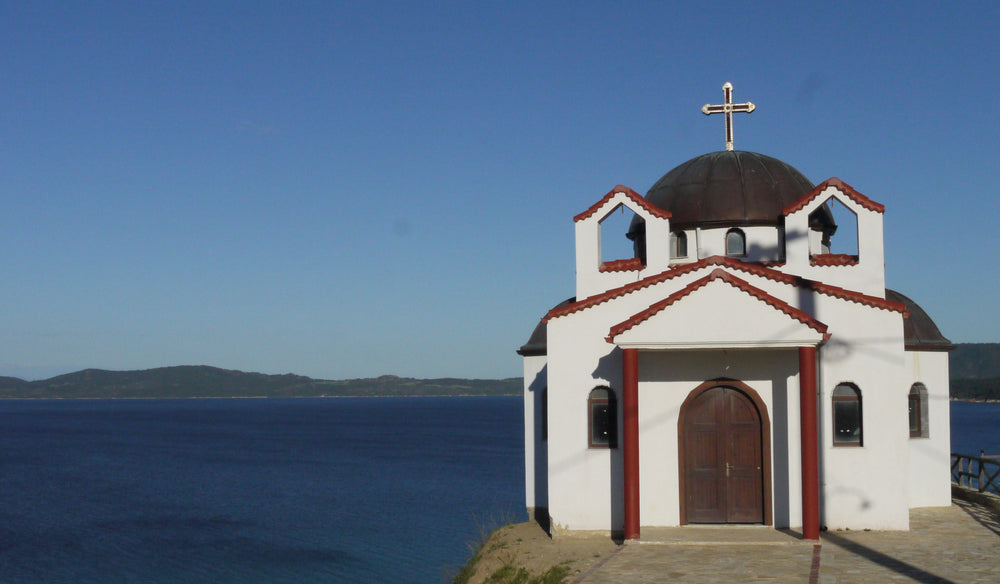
{"x":958,"y":544}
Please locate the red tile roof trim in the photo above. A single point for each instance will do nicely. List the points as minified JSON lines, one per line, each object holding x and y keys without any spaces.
{"x":623,"y":290}
{"x":755,"y":269}
{"x":652,"y":209}
{"x":719,"y":274}
{"x":626,"y":265}
{"x":840,"y":186}
{"x":833,"y":259}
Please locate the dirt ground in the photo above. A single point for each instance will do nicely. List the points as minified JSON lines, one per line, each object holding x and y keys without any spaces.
{"x":527,"y":545}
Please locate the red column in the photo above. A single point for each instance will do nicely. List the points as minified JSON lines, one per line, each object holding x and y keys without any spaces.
{"x":630,"y":435}
{"x":810,"y":447}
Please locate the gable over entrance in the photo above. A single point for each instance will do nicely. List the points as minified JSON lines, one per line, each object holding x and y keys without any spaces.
{"x":719,"y":310}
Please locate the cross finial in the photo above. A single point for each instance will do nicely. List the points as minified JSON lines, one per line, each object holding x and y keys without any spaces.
{"x":728,"y":108}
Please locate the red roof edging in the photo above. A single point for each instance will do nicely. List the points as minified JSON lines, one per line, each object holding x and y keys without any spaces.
{"x":833,"y":259}
{"x":652,"y":209}
{"x":840,"y":186}
{"x":755,"y":269}
{"x":718,"y":274}
{"x":626,"y":265}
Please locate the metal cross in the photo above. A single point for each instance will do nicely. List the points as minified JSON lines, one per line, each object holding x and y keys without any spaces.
{"x":728,"y":108}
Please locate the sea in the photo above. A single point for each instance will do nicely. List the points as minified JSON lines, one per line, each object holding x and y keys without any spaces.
{"x":394,"y":490}
{"x":254,"y":490}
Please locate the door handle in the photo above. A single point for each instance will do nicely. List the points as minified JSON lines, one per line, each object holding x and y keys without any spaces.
{"x":729,"y":467}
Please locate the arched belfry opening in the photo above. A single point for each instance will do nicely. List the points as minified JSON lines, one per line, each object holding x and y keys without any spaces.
{"x":615,"y":239}
{"x":833,"y":230}
{"x":636,"y":234}
{"x":845,"y":240}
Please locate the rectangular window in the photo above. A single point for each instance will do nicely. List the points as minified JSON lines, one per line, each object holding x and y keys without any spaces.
{"x":917,"y":401}
{"x":848,"y":418}
{"x":915,"y":427}
{"x":736,"y":243}
{"x":600,"y":414}
{"x":603,"y":423}
{"x":847,"y":428}
{"x":678,"y":244}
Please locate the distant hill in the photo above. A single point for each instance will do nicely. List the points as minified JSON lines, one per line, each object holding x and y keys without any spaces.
{"x":975,"y":361}
{"x":975,"y":374}
{"x":976,"y":389}
{"x":204,"y":381}
{"x":975,"y":371}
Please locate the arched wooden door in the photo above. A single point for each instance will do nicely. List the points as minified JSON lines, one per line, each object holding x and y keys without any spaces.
{"x":722,"y":457}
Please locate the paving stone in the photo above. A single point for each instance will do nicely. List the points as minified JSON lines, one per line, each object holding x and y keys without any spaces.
{"x":949,"y":545}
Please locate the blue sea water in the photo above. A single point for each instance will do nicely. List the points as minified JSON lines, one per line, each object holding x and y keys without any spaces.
{"x":253,"y":491}
{"x":271,"y":491}
{"x":974,"y":427}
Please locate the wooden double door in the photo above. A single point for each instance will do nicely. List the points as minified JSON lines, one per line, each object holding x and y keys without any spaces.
{"x":722,"y":458}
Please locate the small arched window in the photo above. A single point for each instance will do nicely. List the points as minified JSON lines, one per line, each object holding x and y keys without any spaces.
{"x":918,"y":411}
{"x":736,"y":242}
{"x":847,"y":422}
{"x":603,"y":422}
{"x":678,"y":244}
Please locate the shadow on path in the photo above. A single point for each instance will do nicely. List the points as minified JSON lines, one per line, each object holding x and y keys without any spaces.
{"x":983,"y":515}
{"x":899,"y":566}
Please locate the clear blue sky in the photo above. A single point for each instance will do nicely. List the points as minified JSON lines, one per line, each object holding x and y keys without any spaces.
{"x":349,"y":189}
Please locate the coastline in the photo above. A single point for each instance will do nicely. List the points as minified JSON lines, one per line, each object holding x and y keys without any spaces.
{"x":203,"y":381}
{"x":380,"y":396}
{"x":524,"y":553}
{"x":193,"y":397}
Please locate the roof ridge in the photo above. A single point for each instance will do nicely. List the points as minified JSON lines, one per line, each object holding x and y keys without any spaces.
{"x":613,"y":293}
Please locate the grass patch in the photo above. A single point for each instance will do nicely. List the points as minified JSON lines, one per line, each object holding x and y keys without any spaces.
{"x":509,"y":573}
{"x":516,"y":575}
{"x":466,"y":572}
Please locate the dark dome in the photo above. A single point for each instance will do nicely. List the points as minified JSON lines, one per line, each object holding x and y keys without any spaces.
{"x":919,"y":331}
{"x":538,"y":342}
{"x":728,"y":188}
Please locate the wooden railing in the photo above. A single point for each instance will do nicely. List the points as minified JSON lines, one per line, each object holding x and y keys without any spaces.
{"x":976,"y":472}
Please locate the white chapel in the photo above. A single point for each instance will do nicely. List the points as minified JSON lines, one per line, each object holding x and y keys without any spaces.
{"x":738,"y":368}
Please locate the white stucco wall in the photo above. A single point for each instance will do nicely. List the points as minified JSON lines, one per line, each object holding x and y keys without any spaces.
{"x":580,"y":478}
{"x":763,"y":243}
{"x":930,"y":457}
{"x":535,"y":463}
{"x":864,"y":487}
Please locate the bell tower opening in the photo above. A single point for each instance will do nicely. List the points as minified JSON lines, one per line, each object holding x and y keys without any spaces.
{"x":833,"y":231}
{"x":615,"y":240}
{"x":846,"y":240}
